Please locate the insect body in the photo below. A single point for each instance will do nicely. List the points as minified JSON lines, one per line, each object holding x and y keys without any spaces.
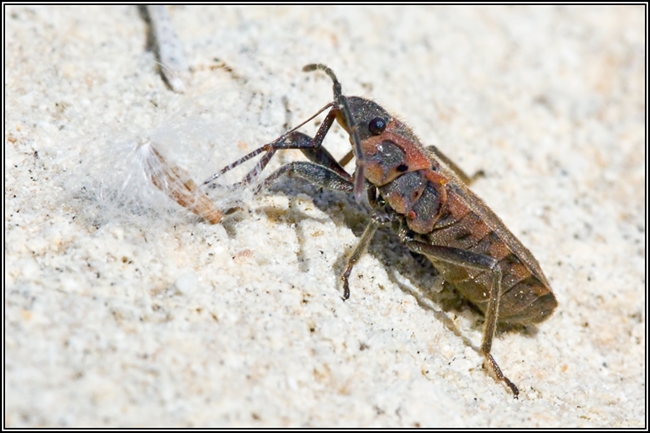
{"x":423,"y":197}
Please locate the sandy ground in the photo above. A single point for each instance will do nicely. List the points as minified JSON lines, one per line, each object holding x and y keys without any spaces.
{"x":123,"y":309}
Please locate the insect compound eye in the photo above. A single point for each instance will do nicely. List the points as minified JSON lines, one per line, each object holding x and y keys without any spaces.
{"x":377,"y":126}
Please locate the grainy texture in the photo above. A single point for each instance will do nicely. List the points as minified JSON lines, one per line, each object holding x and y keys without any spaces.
{"x":117,"y":316}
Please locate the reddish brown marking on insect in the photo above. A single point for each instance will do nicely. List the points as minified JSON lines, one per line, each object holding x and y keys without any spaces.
{"x":456,"y":211}
{"x":480,"y":230}
{"x":497,"y":249}
{"x":401,"y":200}
{"x":414,"y":158}
{"x":437,"y":179}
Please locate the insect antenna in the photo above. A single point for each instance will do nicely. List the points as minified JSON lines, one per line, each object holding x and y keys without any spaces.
{"x":348,"y":120}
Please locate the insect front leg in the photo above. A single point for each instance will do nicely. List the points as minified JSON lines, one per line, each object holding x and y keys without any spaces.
{"x":468,"y":259}
{"x":315,"y":174}
{"x":312,"y":148}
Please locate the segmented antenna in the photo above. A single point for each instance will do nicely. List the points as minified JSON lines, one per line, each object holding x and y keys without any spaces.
{"x":348,"y":119}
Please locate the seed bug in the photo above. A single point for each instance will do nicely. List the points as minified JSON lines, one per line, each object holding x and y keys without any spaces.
{"x":422,"y":196}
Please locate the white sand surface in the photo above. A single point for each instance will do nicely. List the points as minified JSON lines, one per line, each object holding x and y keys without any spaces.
{"x":122,"y":309}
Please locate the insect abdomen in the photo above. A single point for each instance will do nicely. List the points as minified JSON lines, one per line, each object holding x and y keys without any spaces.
{"x":525,"y":294}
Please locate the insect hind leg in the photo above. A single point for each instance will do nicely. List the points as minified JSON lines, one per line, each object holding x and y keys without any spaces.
{"x":471,"y":260}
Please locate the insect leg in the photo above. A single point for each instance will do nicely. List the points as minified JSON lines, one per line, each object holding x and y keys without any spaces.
{"x":315,"y":174}
{"x":347,"y":121}
{"x":468,"y":259}
{"x":325,"y":177}
{"x":320,"y":156}
{"x":287,"y":140}
{"x":376,"y":221}
{"x":467,"y":179}
{"x":347,"y":158}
